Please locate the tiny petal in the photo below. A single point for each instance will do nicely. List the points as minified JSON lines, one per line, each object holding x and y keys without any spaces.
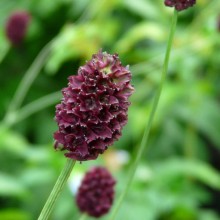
{"x":102,"y":130}
{"x":122,"y":119}
{"x":75,"y":81}
{"x":115,"y":125}
{"x":98,"y":144}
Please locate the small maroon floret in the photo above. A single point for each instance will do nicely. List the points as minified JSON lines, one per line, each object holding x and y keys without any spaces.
{"x":94,"y":107}
{"x":16,"y":26}
{"x":96,"y":193}
{"x":180,"y":4}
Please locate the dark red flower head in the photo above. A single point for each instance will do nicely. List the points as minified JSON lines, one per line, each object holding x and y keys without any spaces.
{"x":94,"y":107}
{"x":180,"y":4}
{"x":96,"y":193}
{"x":16,"y":26}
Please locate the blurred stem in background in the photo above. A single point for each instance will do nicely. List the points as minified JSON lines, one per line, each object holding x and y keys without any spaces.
{"x":151,"y":117}
{"x":26,"y":83}
{"x":35,"y":106}
{"x":190,"y":142}
{"x":4,"y":51}
{"x":62,"y":179}
{"x":83,"y":217}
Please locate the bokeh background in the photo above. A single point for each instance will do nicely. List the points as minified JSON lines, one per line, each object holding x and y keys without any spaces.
{"x":178,"y":177}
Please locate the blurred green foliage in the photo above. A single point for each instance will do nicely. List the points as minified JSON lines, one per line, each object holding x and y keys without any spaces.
{"x":178,"y":178}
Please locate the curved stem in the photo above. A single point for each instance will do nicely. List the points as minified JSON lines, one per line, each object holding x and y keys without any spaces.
{"x":27,"y":81}
{"x":151,"y":117}
{"x":35,"y":106}
{"x":62,"y":179}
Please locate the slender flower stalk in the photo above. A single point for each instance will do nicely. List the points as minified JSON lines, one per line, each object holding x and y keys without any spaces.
{"x":26,"y":83}
{"x":4,"y":51}
{"x":62,"y":179}
{"x":151,"y":117}
{"x":35,"y":106}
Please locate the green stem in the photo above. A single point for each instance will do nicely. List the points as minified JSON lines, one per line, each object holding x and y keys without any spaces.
{"x":27,"y":81}
{"x":190,"y":142}
{"x":151,"y":117}
{"x":4,"y":51}
{"x":62,"y":179}
{"x":83,"y":216}
{"x":34,"y":107}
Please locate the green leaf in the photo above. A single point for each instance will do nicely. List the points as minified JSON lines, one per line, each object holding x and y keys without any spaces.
{"x":79,"y":41}
{"x":141,"y":7}
{"x":203,"y":113}
{"x":12,"y":214}
{"x":10,"y":186}
{"x":145,"y":30}
{"x":12,"y":141}
{"x":199,"y":170}
{"x":208,"y":215}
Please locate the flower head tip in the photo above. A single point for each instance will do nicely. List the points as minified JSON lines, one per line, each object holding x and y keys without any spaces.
{"x":180,"y":4}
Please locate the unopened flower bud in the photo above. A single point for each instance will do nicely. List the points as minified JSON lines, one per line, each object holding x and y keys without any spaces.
{"x":16,"y":26}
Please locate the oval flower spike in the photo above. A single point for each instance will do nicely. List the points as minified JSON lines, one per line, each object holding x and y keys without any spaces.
{"x":96,"y":192}
{"x":94,"y":107}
